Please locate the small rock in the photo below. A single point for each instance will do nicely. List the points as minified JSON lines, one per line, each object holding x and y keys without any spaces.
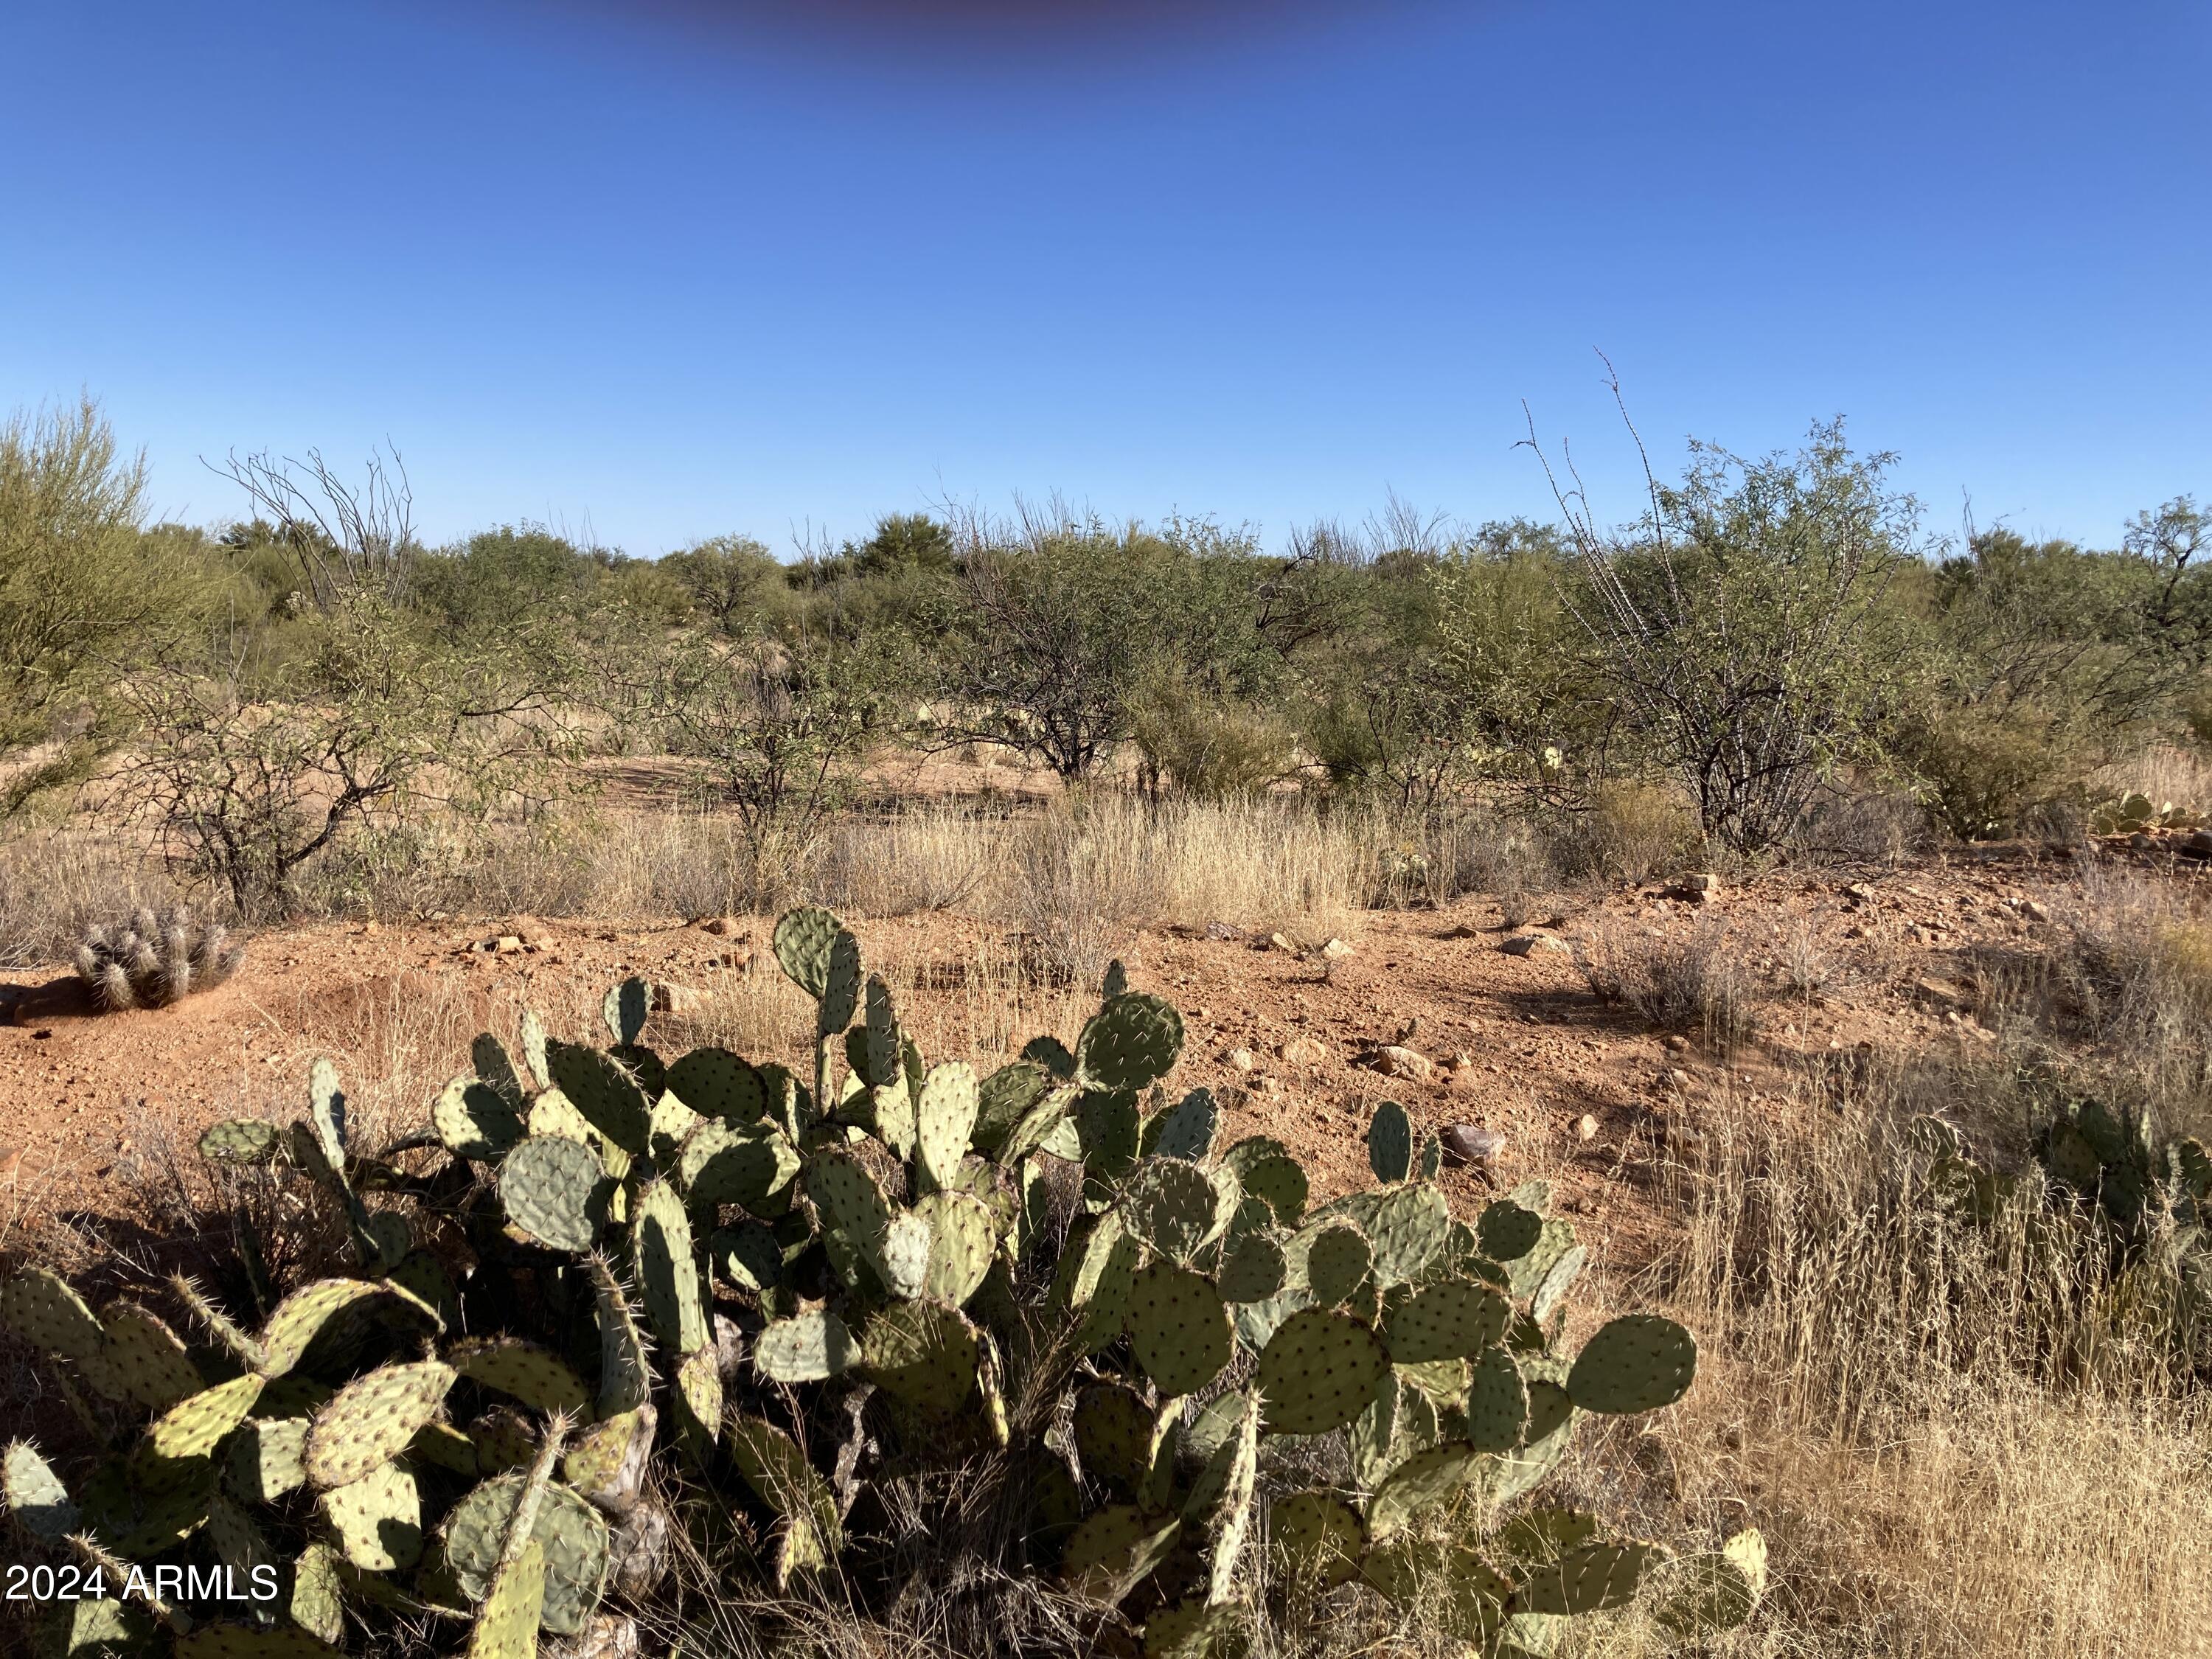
{"x":1528,"y":944}
{"x":1335,"y":950}
{"x":1465,"y":1143}
{"x":1679,"y":1079}
{"x":506,"y":945}
{"x":1303,"y":1051}
{"x":1941,"y":992}
{"x":1279,"y":942}
{"x":723,"y":926}
{"x":1465,"y":1081}
{"x":1240,"y":1059}
{"x":1409,"y":1065}
{"x":1201,"y":1014}
{"x":1859,"y":893}
{"x":1585,"y":1128}
{"x":1703,"y":882}
{"x":678,"y":998}
{"x":1676,"y":1043}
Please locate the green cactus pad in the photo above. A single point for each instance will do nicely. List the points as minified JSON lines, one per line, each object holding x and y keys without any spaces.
{"x":440,"y":1445}
{"x":1448,"y":1319}
{"x":556,"y":1190}
{"x":1116,"y":1548}
{"x":841,"y":991}
{"x":1108,"y":1128}
{"x":945,"y":1117}
{"x":194,"y":1427}
{"x":1222,"y":1498}
{"x":1267,"y":1172}
{"x":475,"y":1121}
{"x":504,"y":1441}
{"x":1497,"y":1407}
{"x":666,"y":1125}
{"x":623,"y":1009}
{"x":807,"y":1348}
{"x":1525,"y":1275}
{"x":778,"y":1472}
{"x":1113,"y":1435}
{"x":1093,"y":1281}
{"x":1186,"y":1130}
{"x":715,"y":1083}
{"x":1002,"y":1100}
{"x":802,"y":943}
{"x":570,"y":1531}
{"x":1706,"y":1594}
{"x":668,"y":1269}
{"x":1638,"y":1362}
{"x":1048,"y":1125}
{"x":698,"y":1401}
{"x":1178,"y":1327}
{"x":1426,"y":1479}
{"x":507,"y":1627}
{"x":1338,"y":1262}
{"x":242,"y":1141}
{"x":922,"y":1355}
{"x":1317,"y":1372}
{"x":372,"y":1419}
{"x":1316,"y":1539}
{"x":268,"y":1458}
{"x":900,"y":1256}
{"x":1391,"y":1143}
{"x":522,"y":1370}
{"x":744,"y":1163}
{"x":1507,"y":1231}
{"x":848,"y":1198}
{"x":377,"y":1520}
{"x":606,"y":1095}
{"x":1171,"y":1205}
{"x":1192,"y":1629}
{"x":36,"y":1496}
{"x":148,"y":1357}
{"x":1590,"y":1578}
{"x":146,"y":1505}
{"x":317,"y":1604}
{"x":1410,"y":1230}
{"x":1128,"y":1044}
{"x":494,"y":1069}
{"x":40,"y":1307}
{"x":306,"y":1314}
{"x":963,"y":1237}
{"x":1252,"y":1269}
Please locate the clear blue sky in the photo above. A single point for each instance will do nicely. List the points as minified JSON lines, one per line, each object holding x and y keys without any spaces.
{"x":673,"y":269}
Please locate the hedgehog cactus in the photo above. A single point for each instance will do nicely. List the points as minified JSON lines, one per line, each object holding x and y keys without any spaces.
{"x":156,"y":960}
{"x":762,"y":1256}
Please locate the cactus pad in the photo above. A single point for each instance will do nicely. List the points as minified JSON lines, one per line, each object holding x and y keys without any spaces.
{"x":731,"y":1162}
{"x":606,"y":1095}
{"x":1450,"y":1586}
{"x":475,"y":1121}
{"x":194,"y":1427}
{"x":606,"y":1462}
{"x":1253,"y":1270}
{"x":372,"y":1419}
{"x":668,"y":1269}
{"x":1114,"y":1435}
{"x":241,"y":1141}
{"x":1316,"y":1539}
{"x":570,"y":1531}
{"x":1588,"y":1578}
{"x":945,"y":1117}
{"x":1185,"y":1130}
{"x":1638,"y":1362}
{"x":1448,"y":1319}
{"x":1410,"y":1230}
{"x":1318,"y":1371}
{"x":1178,"y":1327}
{"x":1115,"y":1549}
{"x":623,"y":1009}
{"x":1192,"y":1629}
{"x":377,"y":1519}
{"x":802,"y":943}
{"x":1127,"y":1044}
{"x":305,"y":1315}
{"x":1426,"y":1479}
{"x":507,"y":1627}
{"x":147,"y":1357}
{"x":715,"y":1083}
{"x":1714,"y":1591}
{"x":778,"y":1472}
{"x":962,"y":1241}
{"x":268,"y":1458}
{"x":747,"y":1255}
{"x":1338,"y":1262}
{"x":1497,"y":1407}
{"x":1267,"y":1172}
{"x":40,"y":1307}
{"x":555,"y":1189}
{"x":1525,"y":1274}
{"x":522,"y":1370}
{"x":36,"y":1496}
{"x":229,"y":1641}
{"x":1171,"y":1205}
{"x":1003,"y":1099}
{"x":1559,"y":1278}
{"x":923,"y":1355}
{"x":1508,"y":1231}
{"x":805,"y":1348}
{"x":848,"y":1198}
{"x":1391,"y":1143}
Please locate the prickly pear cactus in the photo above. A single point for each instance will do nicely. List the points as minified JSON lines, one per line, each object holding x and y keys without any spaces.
{"x":612,"y":1295}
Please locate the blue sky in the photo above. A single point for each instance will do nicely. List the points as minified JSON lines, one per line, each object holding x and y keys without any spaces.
{"x":672,"y":268}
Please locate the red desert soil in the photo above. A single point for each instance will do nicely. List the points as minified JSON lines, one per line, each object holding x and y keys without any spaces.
{"x":92,"y":1102}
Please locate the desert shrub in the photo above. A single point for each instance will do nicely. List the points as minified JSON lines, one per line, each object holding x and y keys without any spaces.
{"x":1693,"y":981}
{"x":1017,"y":1350}
{"x":1211,"y":747}
{"x":1633,"y":831}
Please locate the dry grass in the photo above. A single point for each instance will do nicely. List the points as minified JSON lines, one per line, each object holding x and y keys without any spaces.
{"x":2164,"y":772}
{"x":1692,"y":981}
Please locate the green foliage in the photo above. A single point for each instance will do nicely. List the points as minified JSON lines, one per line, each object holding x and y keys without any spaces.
{"x":913,"y":1314}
